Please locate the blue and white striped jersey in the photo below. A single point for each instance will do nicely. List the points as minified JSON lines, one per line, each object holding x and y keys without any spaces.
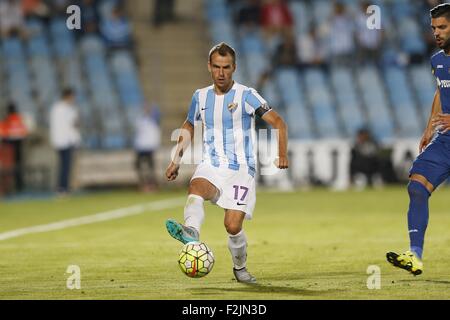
{"x":229,"y":137}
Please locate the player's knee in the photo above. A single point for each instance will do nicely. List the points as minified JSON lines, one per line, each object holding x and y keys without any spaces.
{"x":417,"y":191}
{"x":232,"y":228}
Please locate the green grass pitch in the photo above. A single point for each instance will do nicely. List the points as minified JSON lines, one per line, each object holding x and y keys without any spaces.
{"x":302,"y":245}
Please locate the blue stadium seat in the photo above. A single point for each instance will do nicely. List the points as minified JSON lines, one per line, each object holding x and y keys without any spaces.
{"x":348,"y":103}
{"x":302,"y":18}
{"x":321,"y":104}
{"x":126,"y":79}
{"x":256,"y":65}
{"x":425,"y":86}
{"x":18,"y":81}
{"x":411,"y":36}
{"x":113,"y":136}
{"x":321,"y":10}
{"x":376,"y":103}
{"x":402,"y":102}
{"x":296,"y":114}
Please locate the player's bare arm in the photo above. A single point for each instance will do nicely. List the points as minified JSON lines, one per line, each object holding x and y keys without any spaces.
{"x":274,"y":119}
{"x":187,"y":132}
{"x":430,"y":129}
{"x":440,"y":120}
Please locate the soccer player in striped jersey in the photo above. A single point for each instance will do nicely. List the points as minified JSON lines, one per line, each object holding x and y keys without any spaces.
{"x":432,"y":166}
{"x":226,"y":175}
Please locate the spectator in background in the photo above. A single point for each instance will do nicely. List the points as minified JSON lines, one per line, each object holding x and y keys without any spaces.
{"x":311,"y":51}
{"x":59,"y":7}
{"x":341,"y":36}
{"x":369,"y":41}
{"x":164,"y":11}
{"x":90,"y":16}
{"x":6,"y":162}
{"x":405,"y":166}
{"x":12,"y":23}
{"x":64,"y":136}
{"x":284,"y":56}
{"x":147,"y":141}
{"x":276,"y":18}
{"x":36,"y":9}
{"x":14,"y":132}
{"x":364,"y":162}
{"x":2,"y":130}
{"x":286,"y":53}
{"x":249,"y":15}
{"x":116,"y":30}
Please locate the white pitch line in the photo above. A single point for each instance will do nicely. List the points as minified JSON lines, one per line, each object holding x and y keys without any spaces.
{"x":98,"y":217}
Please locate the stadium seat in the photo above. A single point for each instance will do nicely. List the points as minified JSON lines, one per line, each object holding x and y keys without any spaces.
{"x":302,"y":19}
{"x":320,"y":100}
{"x":425,"y":87}
{"x":347,"y":99}
{"x":376,"y":103}
{"x":126,"y":79}
{"x":296,"y":114}
{"x":403,"y":104}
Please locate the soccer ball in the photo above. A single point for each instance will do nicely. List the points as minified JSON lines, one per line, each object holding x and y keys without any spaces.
{"x":196,"y":259}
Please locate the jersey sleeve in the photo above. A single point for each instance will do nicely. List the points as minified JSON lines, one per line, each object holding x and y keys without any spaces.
{"x":254,"y":103}
{"x":193,"y":109}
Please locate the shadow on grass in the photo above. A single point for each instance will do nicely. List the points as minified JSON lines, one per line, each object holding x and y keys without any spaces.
{"x":260,"y":288}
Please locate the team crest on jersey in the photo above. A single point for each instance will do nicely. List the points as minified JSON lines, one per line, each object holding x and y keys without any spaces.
{"x":232,"y":106}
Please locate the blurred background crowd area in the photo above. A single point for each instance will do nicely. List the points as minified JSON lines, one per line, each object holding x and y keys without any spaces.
{"x":40,"y":56}
{"x":316,"y":62}
{"x":326,"y":70}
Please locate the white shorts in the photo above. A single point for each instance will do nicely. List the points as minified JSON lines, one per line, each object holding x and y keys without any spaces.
{"x":237,"y":188}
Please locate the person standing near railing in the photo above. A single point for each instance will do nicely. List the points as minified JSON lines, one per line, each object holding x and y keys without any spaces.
{"x":15,"y":131}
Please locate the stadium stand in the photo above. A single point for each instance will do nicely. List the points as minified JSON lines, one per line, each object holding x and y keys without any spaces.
{"x":328,"y":101}
{"x":337,"y":100}
{"x":35,"y":68}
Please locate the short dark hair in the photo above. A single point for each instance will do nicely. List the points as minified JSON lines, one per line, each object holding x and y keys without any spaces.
{"x":11,"y":108}
{"x":223,"y":49}
{"x":442,"y":10}
{"x":67,"y":92}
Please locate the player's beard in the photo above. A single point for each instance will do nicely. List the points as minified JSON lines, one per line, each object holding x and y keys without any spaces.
{"x":446,"y":45}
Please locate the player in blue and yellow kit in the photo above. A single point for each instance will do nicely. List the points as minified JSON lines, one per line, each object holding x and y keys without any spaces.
{"x":432,"y":166}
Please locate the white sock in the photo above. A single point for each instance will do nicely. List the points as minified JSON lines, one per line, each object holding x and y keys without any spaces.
{"x":194,"y":213}
{"x":238,"y":248}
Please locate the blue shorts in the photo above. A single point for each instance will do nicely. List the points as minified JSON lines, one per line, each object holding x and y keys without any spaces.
{"x":434,"y":162}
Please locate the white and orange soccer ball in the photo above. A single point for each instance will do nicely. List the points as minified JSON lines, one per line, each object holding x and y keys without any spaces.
{"x":196,"y":259}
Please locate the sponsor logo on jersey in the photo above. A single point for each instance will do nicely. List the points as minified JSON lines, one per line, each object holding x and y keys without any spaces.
{"x":443,"y":83}
{"x":439,"y":66}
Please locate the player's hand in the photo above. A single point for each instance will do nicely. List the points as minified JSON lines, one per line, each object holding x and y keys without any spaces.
{"x":282,"y":163}
{"x":172,"y":171}
{"x":426,"y":139}
{"x":442,"y":122}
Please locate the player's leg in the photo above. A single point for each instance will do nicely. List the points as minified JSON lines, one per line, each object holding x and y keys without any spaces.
{"x":429,"y":170}
{"x":419,"y":191}
{"x":237,"y":244}
{"x":200,"y":189}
